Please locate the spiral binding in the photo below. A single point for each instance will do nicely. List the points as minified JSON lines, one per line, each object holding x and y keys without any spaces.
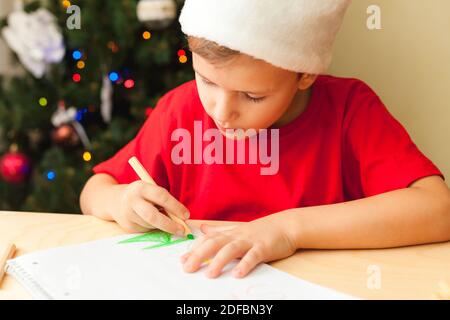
{"x":26,"y":279}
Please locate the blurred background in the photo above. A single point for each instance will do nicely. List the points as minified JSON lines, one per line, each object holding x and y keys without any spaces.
{"x":78,"y":78}
{"x":76,"y":84}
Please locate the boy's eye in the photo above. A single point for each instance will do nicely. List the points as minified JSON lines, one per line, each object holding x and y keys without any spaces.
{"x":208,"y":83}
{"x":253,"y":99}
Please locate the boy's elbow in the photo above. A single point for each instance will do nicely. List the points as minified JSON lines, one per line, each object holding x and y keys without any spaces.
{"x":96,"y":195}
{"x":447,"y":213}
{"x":437,"y":204}
{"x":444,"y":217}
{"x":85,"y":196}
{"x":82,"y":200}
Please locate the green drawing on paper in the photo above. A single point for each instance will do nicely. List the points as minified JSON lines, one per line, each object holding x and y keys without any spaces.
{"x":159,"y":238}
{"x":164,"y":244}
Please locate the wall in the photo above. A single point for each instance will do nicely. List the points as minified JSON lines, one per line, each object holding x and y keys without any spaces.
{"x":407,"y":63}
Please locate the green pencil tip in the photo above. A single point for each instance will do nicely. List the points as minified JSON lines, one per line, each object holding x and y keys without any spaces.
{"x":190,"y":236}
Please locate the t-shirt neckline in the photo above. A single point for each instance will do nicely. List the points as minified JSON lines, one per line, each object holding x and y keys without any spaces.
{"x":303,"y":117}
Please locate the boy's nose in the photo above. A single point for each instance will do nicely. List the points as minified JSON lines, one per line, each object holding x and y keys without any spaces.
{"x":225,"y":118}
{"x":225,"y":111}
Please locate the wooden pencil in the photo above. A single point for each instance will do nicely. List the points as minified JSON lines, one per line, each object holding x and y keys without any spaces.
{"x":145,"y":176}
{"x":6,"y":254}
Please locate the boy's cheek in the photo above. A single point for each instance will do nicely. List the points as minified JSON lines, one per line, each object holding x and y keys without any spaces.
{"x":206,"y":97}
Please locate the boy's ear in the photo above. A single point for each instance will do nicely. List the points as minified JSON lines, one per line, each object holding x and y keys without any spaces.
{"x":306,"y":80}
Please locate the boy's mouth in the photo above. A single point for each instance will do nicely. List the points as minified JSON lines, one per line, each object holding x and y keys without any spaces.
{"x":221,"y":127}
{"x":232,"y":133}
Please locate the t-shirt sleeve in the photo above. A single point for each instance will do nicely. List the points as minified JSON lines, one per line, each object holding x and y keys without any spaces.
{"x":147,"y":146}
{"x":385,"y":155}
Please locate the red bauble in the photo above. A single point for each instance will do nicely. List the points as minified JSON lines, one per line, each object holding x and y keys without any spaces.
{"x":14,"y":167}
{"x":65,"y":136}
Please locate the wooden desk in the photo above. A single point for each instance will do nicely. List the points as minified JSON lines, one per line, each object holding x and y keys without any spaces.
{"x":404,"y":273}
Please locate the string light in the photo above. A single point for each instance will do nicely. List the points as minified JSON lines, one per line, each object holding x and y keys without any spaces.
{"x":113,"y":76}
{"x":43,"y":102}
{"x":183,"y":59}
{"x":77,"y":55}
{"x":81,"y":64}
{"x":87,"y":156}
{"x":129,"y":84}
{"x":51,"y":175}
{"x":182,"y":56}
{"x":146,"y":35}
{"x":76,"y":77}
{"x":66,"y":4}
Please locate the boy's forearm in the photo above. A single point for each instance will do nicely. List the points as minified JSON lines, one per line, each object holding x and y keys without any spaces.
{"x":397,"y":218}
{"x":100,"y":196}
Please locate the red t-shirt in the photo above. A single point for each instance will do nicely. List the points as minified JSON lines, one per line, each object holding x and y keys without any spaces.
{"x":344,"y":146}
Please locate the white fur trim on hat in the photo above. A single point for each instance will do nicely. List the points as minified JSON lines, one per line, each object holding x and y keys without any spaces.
{"x":296,"y":35}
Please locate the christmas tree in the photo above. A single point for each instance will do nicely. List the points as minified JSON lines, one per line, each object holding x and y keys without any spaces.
{"x":93,"y":71}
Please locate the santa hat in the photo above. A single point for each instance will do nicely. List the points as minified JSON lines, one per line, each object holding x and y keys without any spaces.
{"x":295,"y":35}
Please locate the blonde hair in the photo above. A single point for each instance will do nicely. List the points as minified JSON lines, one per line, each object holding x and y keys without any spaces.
{"x":214,"y":52}
{"x":210,"y":50}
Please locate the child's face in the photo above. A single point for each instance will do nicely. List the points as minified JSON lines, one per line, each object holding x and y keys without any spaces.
{"x":246,"y":93}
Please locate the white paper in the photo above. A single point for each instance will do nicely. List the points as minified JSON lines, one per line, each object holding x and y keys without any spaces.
{"x":104,"y":269}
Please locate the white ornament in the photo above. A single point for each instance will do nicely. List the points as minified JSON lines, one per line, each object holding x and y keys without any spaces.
{"x":106,"y":99}
{"x":157,"y":14}
{"x":35,"y":38}
{"x":64,"y":116}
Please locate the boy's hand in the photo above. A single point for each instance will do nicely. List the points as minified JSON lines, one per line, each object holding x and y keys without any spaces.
{"x":255,"y":242}
{"x":140,"y":206}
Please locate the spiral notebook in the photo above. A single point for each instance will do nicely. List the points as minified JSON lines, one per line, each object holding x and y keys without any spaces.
{"x":147,"y":266}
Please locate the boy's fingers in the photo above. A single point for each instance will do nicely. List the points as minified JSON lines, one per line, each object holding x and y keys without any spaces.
{"x":147,"y":212}
{"x":138,"y":218}
{"x":231,"y":251}
{"x":142,"y":211}
{"x":161,"y":197}
{"x":198,"y":242}
{"x":198,"y":256}
{"x":209,"y":231}
{"x":184,"y":257}
{"x":251,"y":259}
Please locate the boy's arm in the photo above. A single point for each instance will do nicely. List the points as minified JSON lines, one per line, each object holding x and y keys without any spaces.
{"x":414,"y":215}
{"x":100,"y":195}
{"x":136,"y":207}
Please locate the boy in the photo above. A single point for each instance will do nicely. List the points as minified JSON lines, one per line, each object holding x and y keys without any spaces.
{"x":347,"y":176}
